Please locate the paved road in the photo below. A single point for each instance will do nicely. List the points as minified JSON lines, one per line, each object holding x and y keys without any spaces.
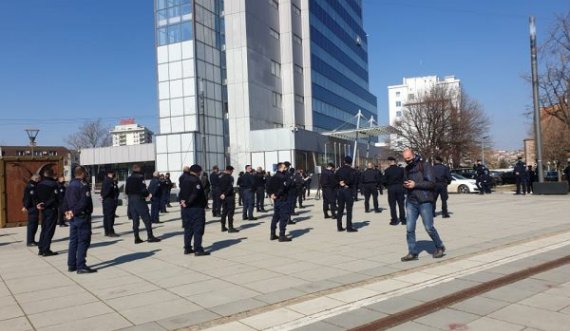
{"x":156,"y":287}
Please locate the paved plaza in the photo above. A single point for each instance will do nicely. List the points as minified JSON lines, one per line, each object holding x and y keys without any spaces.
{"x":322,"y":280}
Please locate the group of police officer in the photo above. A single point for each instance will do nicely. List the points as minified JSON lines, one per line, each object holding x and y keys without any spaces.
{"x":49,"y":197}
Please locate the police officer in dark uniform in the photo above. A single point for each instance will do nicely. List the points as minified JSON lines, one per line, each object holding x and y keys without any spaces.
{"x":329,"y":185}
{"x":299,"y":184}
{"x":346,"y":177}
{"x":47,"y":192}
{"x":380,"y":184}
{"x":117,"y":193}
{"x":227,"y":197}
{"x":109,"y":200}
{"x":482,"y":178}
{"x":78,"y":206}
{"x":165,"y":186}
{"x":248,"y":189}
{"x":520,"y":176}
{"x":291,"y":193}
{"x":442,"y":177}
{"x":260,"y":182}
{"x":60,"y":195}
{"x":394,"y":181}
{"x":278,"y":189}
{"x":193,"y":202}
{"x":137,"y":192}
{"x":215,"y":185}
{"x":370,"y":179}
{"x":30,"y":202}
{"x":155,"y":189}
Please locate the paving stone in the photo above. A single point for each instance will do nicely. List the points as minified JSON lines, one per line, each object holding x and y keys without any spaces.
{"x":320,"y":326}
{"x":533,"y":317}
{"x":394,"y":305}
{"x":447,"y":319}
{"x":413,"y":326}
{"x":486,"y":324}
{"x":480,"y":305}
{"x":271,"y":318}
{"x":187,"y":319}
{"x":508,"y":295}
{"x":317,"y":305}
{"x":151,"y":326}
{"x":159,"y":311}
{"x":355,"y":318}
{"x":67,"y":315}
{"x":104,"y":322}
{"x":232,"y":326}
{"x":16,"y":324}
{"x":279,"y":296}
{"x":239,"y":306}
{"x":546,"y":301}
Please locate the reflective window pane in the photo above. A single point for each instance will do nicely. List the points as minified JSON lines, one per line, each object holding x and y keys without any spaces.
{"x":161,"y":4}
{"x":186,"y":31}
{"x":162,"y":36}
{"x":174,"y":33}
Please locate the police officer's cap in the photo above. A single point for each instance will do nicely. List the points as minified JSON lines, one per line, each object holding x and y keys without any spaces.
{"x":391,"y":158}
{"x":347,"y":159}
{"x":331,"y":164}
{"x":195,"y":168}
{"x":229,"y":168}
{"x":287,"y":163}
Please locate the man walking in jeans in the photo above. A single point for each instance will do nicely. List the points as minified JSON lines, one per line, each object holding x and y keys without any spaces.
{"x":419,"y":181}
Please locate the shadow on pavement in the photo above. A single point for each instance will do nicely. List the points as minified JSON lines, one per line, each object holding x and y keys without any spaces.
{"x":301,"y":219}
{"x":299,"y":232}
{"x":219,"y":245}
{"x":125,"y":259}
{"x":104,"y":243}
{"x":360,"y":225}
{"x":13,"y":242}
{"x":249,"y":225}
{"x":171,"y":234}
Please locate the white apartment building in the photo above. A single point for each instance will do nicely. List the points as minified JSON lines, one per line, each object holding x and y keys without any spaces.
{"x":129,"y":133}
{"x":411,"y":89}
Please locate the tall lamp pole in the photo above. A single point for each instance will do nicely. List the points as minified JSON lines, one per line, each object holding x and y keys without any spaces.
{"x":32,"y":135}
{"x":537,"y":128}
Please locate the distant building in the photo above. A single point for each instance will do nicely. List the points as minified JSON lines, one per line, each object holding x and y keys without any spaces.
{"x":411,"y":90}
{"x":129,"y":133}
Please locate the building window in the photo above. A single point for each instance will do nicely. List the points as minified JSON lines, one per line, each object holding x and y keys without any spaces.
{"x":275,"y":68}
{"x":299,"y":99}
{"x":411,"y":96}
{"x":398,"y":103}
{"x":298,"y":69}
{"x":297,"y":39}
{"x":274,"y":3}
{"x":399,"y":113}
{"x":296,"y":10}
{"x":277,"y":100}
{"x":274,"y":33}
{"x":397,"y":94}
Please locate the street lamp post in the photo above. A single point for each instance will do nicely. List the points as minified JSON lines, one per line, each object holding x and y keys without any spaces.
{"x":483,"y":140}
{"x":32,"y":135}
{"x":537,"y":128}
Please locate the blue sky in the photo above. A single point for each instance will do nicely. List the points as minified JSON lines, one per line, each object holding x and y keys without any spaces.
{"x":64,"y":61}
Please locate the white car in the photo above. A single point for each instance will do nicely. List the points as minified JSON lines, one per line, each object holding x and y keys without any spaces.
{"x":460,"y":184}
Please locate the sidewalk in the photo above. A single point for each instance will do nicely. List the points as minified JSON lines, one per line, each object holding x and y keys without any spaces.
{"x":156,"y":287}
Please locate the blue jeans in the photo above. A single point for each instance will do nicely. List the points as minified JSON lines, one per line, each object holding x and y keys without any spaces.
{"x":79,"y":241}
{"x":413,"y":211}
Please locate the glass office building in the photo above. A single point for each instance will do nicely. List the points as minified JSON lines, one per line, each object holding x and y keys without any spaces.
{"x":190,"y":61}
{"x":339,"y":63}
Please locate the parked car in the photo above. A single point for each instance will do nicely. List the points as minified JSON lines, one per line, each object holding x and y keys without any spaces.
{"x":508,"y":177}
{"x":461,"y":184}
{"x":468,"y":173}
{"x":497,"y":177}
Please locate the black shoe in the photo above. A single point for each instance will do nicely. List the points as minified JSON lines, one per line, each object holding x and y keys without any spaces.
{"x":138,"y":241}
{"x":63,"y":225}
{"x":153,"y":240}
{"x":394,"y":223}
{"x":116,"y":215}
{"x":284,"y":239}
{"x":327,"y":216}
{"x":378,"y":211}
{"x":86,"y":270}
{"x":273,"y":237}
{"x":32,"y":244}
{"x":113,"y":235}
{"x":439,"y":253}
{"x":409,"y":257}
{"x":157,"y":222}
{"x":49,"y":253}
{"x":244,"y":218}
{"x":403,"y":222}
{"x":224,"y":229}
{"x":188,"y":251}
{"x":291,"y":222}
{"x":446,"y":216}
{"x":341,"y":229}
{"x":71,"y":269}
{"x":367,"y":211}
{"x":232,"y":230}
{"x":351,"y":230}
{"x":201,"y":253}
{"x":40,"y":253}
{"x":253,"y":219}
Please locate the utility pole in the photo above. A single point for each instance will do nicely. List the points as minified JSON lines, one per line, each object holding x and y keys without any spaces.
{"x":355,"y":159}
{"x":537,"y":128}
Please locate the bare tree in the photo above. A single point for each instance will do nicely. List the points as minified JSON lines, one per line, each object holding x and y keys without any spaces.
{"x":90,"y":134}
{"x":444,"y":122}
{"x":554,"y":82}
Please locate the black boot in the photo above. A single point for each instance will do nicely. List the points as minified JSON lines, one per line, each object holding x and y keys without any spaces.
{"x":138,"y":240}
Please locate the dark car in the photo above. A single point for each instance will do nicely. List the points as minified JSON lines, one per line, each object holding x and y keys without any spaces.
{"x":508,"y":177}
{"x":497,"y":177}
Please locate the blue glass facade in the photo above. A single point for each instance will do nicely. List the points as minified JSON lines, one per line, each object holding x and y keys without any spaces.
{"x":173,"y":21}
{"x":339,"y":61}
